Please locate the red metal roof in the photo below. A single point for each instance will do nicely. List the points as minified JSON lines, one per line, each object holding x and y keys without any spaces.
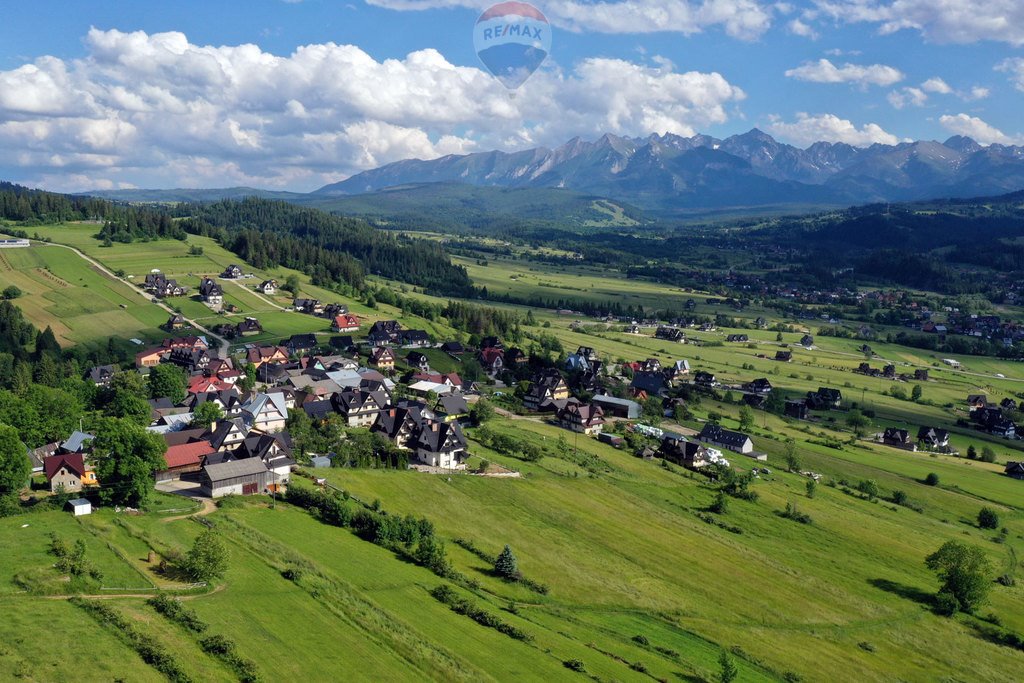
{"x":73,"y":461}
{"x":187,"y":453}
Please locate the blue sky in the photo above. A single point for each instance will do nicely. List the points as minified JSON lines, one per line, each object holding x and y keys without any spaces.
{"x":121,"y":94}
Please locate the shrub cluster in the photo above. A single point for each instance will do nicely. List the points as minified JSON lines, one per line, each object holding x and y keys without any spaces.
{"x":446,"y":595}
{"x":704,"y":517}
{"x":223,"y":648}
{"x":791,"y":512}
{"x":147,"y":648}
{"x":177,"y":612}
{"x":71,"y":559}
{"x":411,"y":537}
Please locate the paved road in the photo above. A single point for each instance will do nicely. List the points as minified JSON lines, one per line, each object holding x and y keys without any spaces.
{"x":225,"y":345}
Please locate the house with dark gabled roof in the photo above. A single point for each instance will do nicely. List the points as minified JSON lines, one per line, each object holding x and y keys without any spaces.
{"x":441,"y":444}
{"x":833,"y":397}
{"x":418,"y":361}
{"x":723,"y":438}
{"x":704,"y":379}
{"x":451,"y":407}
{"x":741,"y":338}
{"x":249,"y":326}
{"x":682,"y":452}
{"x":175,"y":322}
{"x":266,"y":354}
{"x":581,"y":417}
{"x":301,"y":344}
{"x":898,"y":438}
{"x":190,"y":360}
{"x":784,"y":356}
{"x":932,"y":437}
{"x":102,"y":374}
{"x":977,"y":400}
{"x":384,"y":332}
{"x":491,"y":343}
{"x":232,"y":272}
{"x":807,"y":341}
{"x":211,"y":292}
{"x":359,"y":407}
{"x":453,"y":348}
{"x":1014,"y":470}
{"x":651,"y":383}
{"x":383,"y":357}
{"x":414,"y":339}
{"x":759,"y":386}
{"x":399,"y":424}
{"x":310,"y":306}
{"x":267,"y":287}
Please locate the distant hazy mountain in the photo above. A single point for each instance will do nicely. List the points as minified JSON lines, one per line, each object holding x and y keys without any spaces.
{"x":191,"y":195}
{"x":670,"y":172}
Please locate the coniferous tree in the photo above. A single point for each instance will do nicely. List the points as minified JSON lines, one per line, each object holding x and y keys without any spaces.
{"x":506,"y":565}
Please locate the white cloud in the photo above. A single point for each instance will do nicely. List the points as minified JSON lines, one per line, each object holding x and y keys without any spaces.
{"x":808,"y":129}
{"x":913,"y":97}
{"x":744,"y":19}
{"x":942,"y":21}
{"x":936,"y":85}
{"x":824,"y":71}
{"x":158,"y":110}
{"x":980,"y":131}
{"x":975,"y":93}
{"x":799,"y":28}
{"x":1014,"y":66}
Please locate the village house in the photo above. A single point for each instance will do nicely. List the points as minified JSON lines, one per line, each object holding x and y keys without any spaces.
{"x":259,"y":355}
{"x":265,"y":412}
{"x":898,"y":438}
{"x":784,"y":356}
{"x":759,"y":386}
{"x":301,"y":344}
{"x":582,"y":418}
{"x":453,"y":348}
{"x":414,"y":339}
{"x":740,"y":338}
{"x":384,"y":332}
{"x":441,"y":444}
{"x":310,"y":306}
{"x":346,"y":322}
{"x":546,"y":386}
{"x":418,"y":361}
{"x":451,"y":407}
{"x":932,"y":437}
{"x":175,"y":322}
{"x":723,"y":438}
{"x":68,"y":472}
{"x":705,"y":379}
{"x":232,"y":272}
{"x":492,"y":359}
{"x":1014,"y":470}
{"x":682,"y":452}
{"x":190,"y":360}
{"x":383,"y":358}
{"x":150,"y":357}
{"x":211,"y":292}
{"x":359,"y":408}
{"x":267,"y":287}
{"x":102,"y":374}
{"x":249,"y":327}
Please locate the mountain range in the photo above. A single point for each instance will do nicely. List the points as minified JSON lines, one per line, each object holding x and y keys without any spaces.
{"x":671,"y":173}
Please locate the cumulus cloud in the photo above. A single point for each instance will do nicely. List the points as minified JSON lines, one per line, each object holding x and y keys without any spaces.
{"x":799,"y":28}
{"x":156,"y":109}
{"x":1013,"y":66}
{"x":942,"y":21}
{"x":936,"y":85}
{"x":808,"y":129}
{"x":912,"y":97}
{"x":824,"y":71}
{"x":744,"y":19}
{"x":973,"y":127}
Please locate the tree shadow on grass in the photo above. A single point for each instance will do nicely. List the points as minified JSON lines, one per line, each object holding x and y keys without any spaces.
{"x":907,"y":592}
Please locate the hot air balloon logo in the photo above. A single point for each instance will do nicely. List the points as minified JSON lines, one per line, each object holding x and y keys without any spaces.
{"x":512,"y":39}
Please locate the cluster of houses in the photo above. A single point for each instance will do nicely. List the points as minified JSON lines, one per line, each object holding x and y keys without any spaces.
{"x":992,"y":417}
{"x":162,"y":287}
{"x":928,"y":438}
{"x":889,"y":372}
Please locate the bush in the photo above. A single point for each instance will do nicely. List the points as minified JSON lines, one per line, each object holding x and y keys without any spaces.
{"x":866,"y":646}
{"x":178,"y":613}
{"x":932,"y":479}
{"x":794,"y":514}
{"x":641,"y":640}
{"x":988,"y":518}
{"x":720,"y":505}
{"x":946,"y":604}
{"x":575,"y":665}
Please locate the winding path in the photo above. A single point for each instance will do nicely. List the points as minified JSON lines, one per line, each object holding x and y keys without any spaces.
{"x":225,"y":345}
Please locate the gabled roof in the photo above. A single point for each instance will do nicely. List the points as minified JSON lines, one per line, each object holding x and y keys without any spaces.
{"x":713,"y":432}
{"x":234,"y":468}
{"x":73,"y":462}
{"x":76,"y":442}
{"x":187,"y":454}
